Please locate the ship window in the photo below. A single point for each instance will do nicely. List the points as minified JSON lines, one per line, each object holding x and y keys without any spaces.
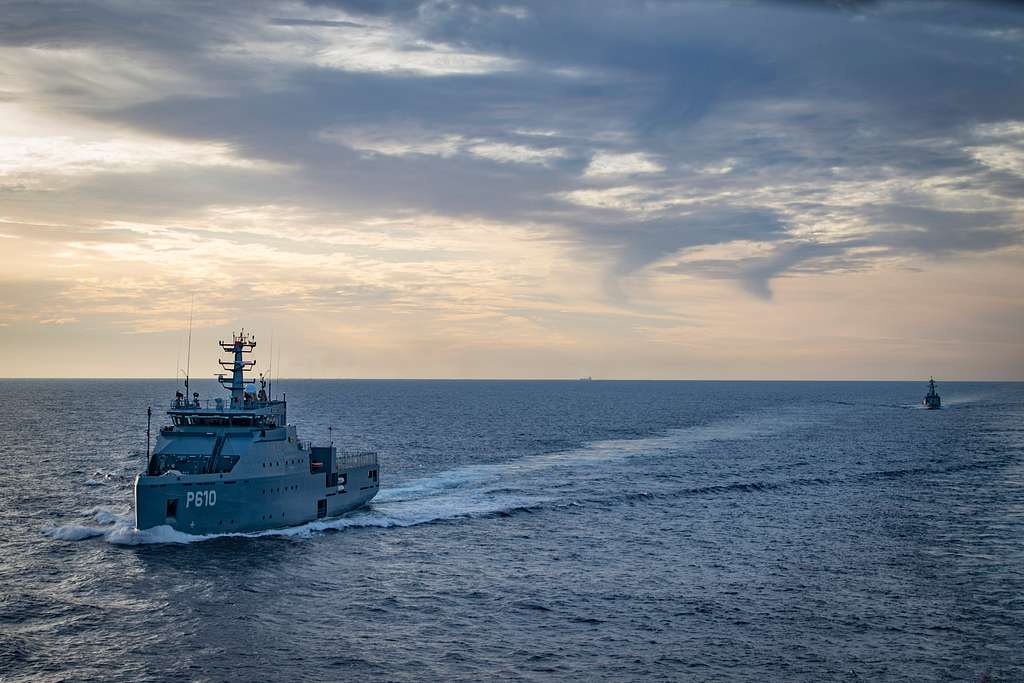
{"x":207,"y":421}
{"x":172,"y":508}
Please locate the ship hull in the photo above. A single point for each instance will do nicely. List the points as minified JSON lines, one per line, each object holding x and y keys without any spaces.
{"x":219,"y":503}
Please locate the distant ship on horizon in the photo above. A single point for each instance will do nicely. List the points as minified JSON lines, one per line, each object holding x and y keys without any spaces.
{"x":931,"y":399}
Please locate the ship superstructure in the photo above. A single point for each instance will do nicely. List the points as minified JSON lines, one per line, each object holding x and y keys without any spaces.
{"x":931,"y":399}
{"x":237,"y":465}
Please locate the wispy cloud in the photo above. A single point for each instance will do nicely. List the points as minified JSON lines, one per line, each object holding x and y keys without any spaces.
{"x":612,"y":164}
{"x":395,"y":141}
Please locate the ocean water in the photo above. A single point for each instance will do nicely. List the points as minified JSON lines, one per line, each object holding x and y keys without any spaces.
{"x":538,"y":531}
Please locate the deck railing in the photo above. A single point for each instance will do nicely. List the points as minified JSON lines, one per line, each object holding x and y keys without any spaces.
{"x":221,"y":404}
{"x":361,"y":459}
{"x":346,"y":458}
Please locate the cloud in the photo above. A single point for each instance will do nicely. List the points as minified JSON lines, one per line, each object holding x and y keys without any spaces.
{"x":397,"y":142}
{"x":903,"y":231}
{"x":630,"y":163}
{"x":723,"y":127}
{"x":602,"y":149}
{"x":1000,"y":146}
{"x":46,"y":162}
{"x":279,"y":21}
{"x":754,"y":272}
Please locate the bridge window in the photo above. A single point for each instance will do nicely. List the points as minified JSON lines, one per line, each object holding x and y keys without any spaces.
{"x":201,"y":421}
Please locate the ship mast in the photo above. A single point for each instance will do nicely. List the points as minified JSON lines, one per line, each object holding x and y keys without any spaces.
{"x":240,"y":344}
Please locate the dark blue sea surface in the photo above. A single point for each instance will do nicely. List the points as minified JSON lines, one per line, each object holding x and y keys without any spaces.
{"x":540,"y":531}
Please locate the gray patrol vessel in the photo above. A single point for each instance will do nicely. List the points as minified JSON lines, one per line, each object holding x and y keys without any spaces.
{"x":237,"y":465}
{"x":931,"y":399}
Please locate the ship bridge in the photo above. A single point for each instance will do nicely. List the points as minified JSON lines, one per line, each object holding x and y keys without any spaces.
{"x":211,"y":435}
{"x":206,"y":414}
{"x":244,"y":407}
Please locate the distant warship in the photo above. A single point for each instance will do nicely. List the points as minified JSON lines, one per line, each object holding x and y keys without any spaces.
{"x":931,"y":399}
{"x":237,"y":465}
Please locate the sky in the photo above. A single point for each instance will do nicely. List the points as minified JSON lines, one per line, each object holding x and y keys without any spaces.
{"x":514,"y":189}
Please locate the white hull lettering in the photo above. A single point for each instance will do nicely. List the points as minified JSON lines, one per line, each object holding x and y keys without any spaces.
{"x":201,"y":499}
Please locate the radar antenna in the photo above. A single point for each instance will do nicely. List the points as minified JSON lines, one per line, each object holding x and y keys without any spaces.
{"x":240,"y":344}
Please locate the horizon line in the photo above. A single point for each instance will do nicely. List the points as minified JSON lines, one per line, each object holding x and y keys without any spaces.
{"x":527,"y":379}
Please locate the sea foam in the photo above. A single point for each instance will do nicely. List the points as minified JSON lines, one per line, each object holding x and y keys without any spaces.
{"x":470,"y":491}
